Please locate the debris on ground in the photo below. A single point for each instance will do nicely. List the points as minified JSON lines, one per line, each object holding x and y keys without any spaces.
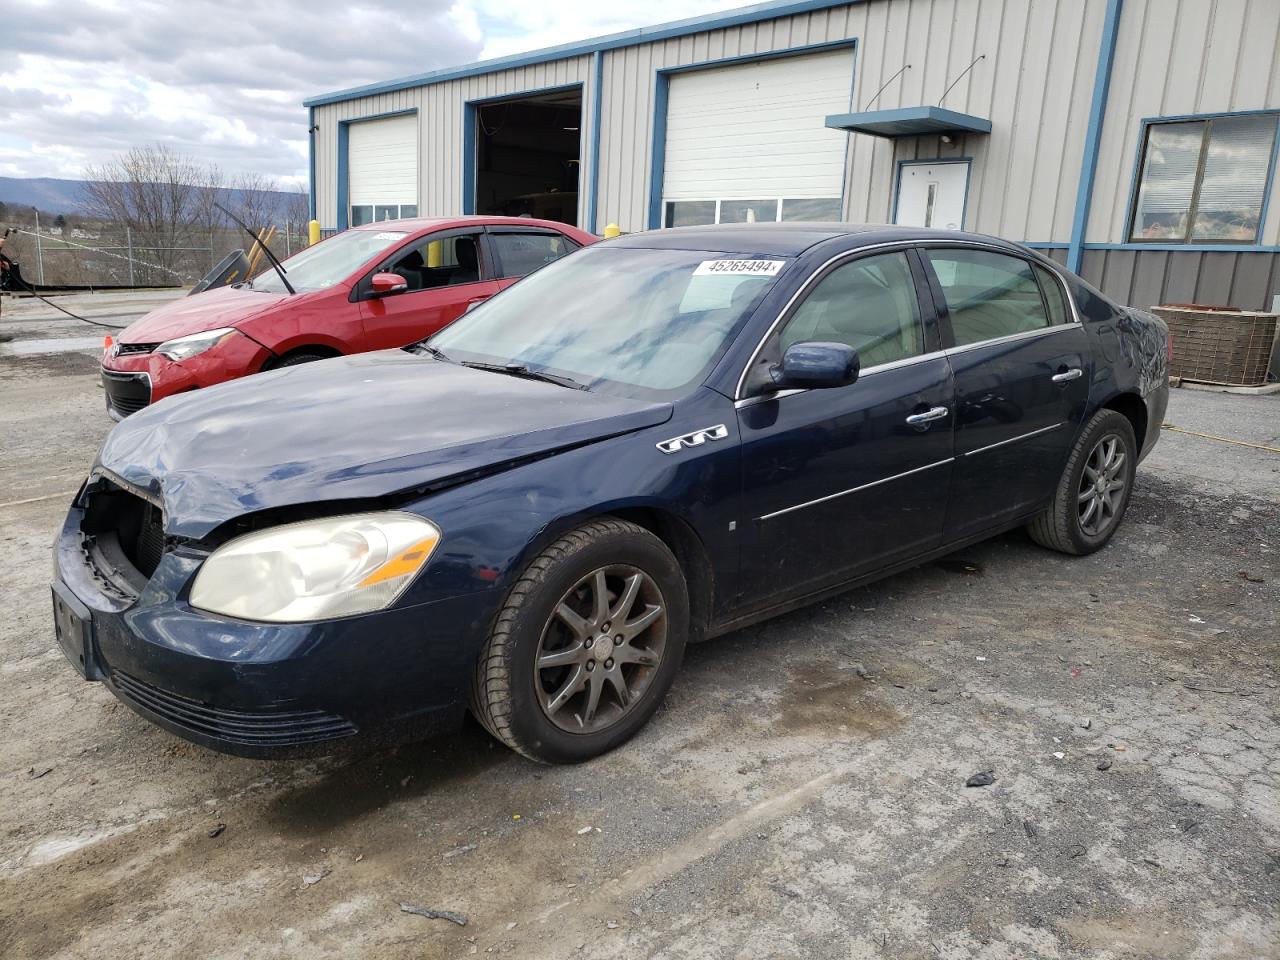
{"x":983,"y":778}
{"x":315,"y":878}
{"x":459,"y":918}
{"x":459,"y":851}
{"x":1228,"y":690}
{"x":585,"y":830}
{"x":612,"y":924}
{"x":217,"y":830}
{"x":1104,"y":764}
{"x":1086,"y":723}
{"x":1246,"y":575}
{"x":35,"y":773}
{"x":1030,"y":830}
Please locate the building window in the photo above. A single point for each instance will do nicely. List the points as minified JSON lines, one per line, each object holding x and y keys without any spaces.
{"x":1204,"y":181}
{"x":362,"y":213}
{"x":693,"y":213}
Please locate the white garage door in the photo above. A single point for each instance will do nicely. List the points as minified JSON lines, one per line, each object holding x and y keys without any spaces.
{"x":748,"y":142}
{"x":382,"y":164}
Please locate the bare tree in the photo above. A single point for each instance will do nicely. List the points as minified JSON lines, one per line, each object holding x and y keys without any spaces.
{"x":255,"y":199}
{"x":162,"y":197}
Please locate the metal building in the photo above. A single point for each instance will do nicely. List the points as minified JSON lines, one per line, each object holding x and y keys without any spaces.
{"x":1135,"y":140}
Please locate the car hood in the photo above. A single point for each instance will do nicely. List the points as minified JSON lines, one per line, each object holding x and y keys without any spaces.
{"x":224,"y":307}
{"x":371,"y":425}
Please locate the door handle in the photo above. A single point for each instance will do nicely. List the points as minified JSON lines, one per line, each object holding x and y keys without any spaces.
{"x":1067,"y":375}
{"x":936,"y":413}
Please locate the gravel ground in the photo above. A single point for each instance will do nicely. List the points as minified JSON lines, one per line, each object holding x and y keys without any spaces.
{"x":800,"y":795}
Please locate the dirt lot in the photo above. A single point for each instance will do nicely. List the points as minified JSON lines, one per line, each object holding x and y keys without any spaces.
{"x":800,"y":795}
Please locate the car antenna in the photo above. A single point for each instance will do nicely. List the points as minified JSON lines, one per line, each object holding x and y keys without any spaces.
{"x":265,"y":249}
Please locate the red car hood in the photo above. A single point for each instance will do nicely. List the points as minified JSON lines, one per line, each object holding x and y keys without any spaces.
{"x":224,"y":307}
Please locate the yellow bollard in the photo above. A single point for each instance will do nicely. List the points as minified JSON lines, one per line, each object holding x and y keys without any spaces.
{"x":433,"y":253}
{"x":313,"y":233}
{"x":611,"y":231}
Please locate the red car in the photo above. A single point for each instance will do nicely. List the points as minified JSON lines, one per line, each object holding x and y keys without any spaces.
{"x":374,"y":287}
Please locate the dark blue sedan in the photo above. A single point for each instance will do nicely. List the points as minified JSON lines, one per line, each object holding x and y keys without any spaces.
{"x":653,"y":441}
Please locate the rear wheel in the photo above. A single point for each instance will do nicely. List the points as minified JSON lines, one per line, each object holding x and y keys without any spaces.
{"x":586,"y":645}
{"x":1093,"y":493}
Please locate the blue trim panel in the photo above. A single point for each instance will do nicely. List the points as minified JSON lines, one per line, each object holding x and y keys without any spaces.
{"x":470,"y":120}
{"x":968,"y":178}
{"x":1093,"y":136}
{"x":344,"y":138}
{"x":658,"y":154}
{"x":909,"y":122}
{"x":469,"y":159}
{"x":597,"y":108}
{"x":628,"y":38}
{"x":311,"y":161}
{"x":1134,"y":178}
{"x":658,"y":147}
{"x":343,"y":192}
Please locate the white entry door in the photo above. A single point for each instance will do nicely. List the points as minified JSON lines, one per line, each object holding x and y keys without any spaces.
{"x":932,"y":194}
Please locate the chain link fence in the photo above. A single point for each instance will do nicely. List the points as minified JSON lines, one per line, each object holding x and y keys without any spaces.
{"x":114,"y":255}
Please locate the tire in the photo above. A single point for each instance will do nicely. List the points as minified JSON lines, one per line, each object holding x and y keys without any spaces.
{"x":551,"y":617}
{"x":1069,"y":524}
{"x":302,"y":356}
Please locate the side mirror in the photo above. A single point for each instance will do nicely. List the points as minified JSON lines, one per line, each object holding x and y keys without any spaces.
{"x":388,"y":283}
{"x":816,"y":365}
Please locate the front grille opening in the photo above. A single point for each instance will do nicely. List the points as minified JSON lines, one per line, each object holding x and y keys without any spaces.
{"x":124,"y":349}
{"x":126,"y":392}
{"x":256,"y":728}
{"x":124,"y":533}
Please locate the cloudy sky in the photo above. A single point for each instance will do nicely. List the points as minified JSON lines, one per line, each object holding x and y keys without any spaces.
{"x":82,"y":80}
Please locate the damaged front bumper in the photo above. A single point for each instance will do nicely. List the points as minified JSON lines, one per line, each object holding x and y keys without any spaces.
{"x":256,"y":689}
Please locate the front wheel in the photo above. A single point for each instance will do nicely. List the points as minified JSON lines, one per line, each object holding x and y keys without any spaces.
{"x":1094,"y":490}
{"x":586,"y":645}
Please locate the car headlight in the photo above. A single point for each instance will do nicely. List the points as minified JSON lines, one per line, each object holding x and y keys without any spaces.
{"x":180,"y":348}
{"x":316,"y":569}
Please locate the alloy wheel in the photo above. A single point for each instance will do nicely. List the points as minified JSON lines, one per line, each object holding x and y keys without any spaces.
{"x":600,"y":649}
{"x":1102,"y":486}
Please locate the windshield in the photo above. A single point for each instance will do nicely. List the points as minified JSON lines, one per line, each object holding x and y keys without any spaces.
{"x":642,"y":323}
{"x":329,"y":261}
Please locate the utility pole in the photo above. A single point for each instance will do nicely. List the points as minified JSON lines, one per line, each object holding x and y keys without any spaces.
{"x":39,"y":250}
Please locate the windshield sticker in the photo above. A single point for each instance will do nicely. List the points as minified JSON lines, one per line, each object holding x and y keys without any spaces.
{"x":739,"y":268}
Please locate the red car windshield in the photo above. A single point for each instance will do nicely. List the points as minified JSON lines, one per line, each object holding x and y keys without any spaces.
{"x":330,"y":261}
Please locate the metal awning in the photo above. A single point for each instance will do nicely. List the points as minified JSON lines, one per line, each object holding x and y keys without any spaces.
{"x":909,"y":122}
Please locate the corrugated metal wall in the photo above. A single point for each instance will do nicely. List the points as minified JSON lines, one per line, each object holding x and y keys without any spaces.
{"x":1179,"y":57}
{"x":1148,"y":278}
{"x":440,"y":121}
{"x":1034,"y":85}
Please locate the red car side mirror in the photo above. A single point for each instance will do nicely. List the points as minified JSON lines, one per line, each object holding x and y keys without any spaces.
{"x":387,"y":283}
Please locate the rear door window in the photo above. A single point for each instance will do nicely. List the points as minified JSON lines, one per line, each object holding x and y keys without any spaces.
{"x":989,"y":295}
{"x":524,"y":252}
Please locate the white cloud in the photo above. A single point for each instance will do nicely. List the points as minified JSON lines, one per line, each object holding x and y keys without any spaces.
{"x":224,"y":80}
